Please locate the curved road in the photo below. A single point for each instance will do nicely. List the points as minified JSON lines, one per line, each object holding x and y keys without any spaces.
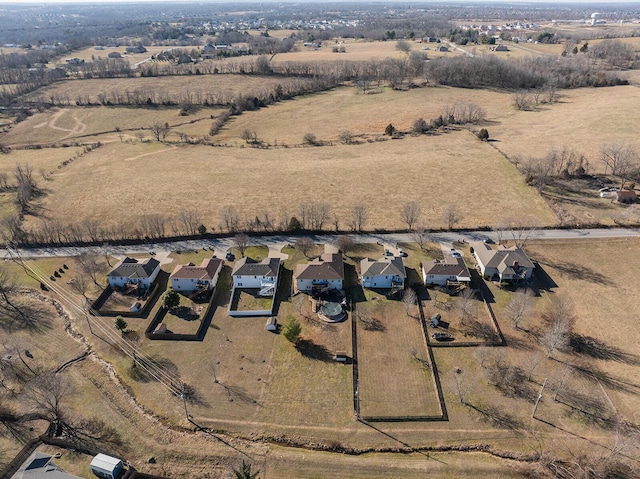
{"x":276,"y":242}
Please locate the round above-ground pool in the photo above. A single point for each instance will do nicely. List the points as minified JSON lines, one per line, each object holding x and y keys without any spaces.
{"x":332,"y":312}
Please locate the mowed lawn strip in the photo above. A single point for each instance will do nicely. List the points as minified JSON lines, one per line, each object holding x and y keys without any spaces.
{"x":392,"y":382}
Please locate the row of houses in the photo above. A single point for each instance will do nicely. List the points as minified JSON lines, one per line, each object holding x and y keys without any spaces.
{"x":326,"y":272}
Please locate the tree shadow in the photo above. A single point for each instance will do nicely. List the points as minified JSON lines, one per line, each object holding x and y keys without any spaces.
{"x":579,"y":271}
{"x":498,"y":417}
{"x":372,"y":324}
{"x":236,"y":393}
{"x":606,"y":379}
{"x":30,"y":315}
{"x":311,"y":350}
{"x":481,"y":330}
{"x":511,"y":381}
{"x":597,"y":349}
{"x":588,"y":409}
{"x":185,"y":313}
{"x":193,"y":396}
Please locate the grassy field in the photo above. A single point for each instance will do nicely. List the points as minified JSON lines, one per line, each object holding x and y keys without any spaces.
{"x":393,"y":366}
{"x":606,"y":116}
{"x":277,"y":181}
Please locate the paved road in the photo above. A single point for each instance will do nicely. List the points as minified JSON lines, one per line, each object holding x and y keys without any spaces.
{"x":220,"y":245}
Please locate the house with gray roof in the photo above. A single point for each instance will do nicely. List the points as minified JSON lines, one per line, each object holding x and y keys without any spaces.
{"x":188,"y":278}
{"x":248,"y":273}
{"x":130,"y":271}
{"x":502,"y":263}
{"x":445,"y":272}
{"x":384,"y":273}
{"x":40,"y":465}
{"x":324,"y":272}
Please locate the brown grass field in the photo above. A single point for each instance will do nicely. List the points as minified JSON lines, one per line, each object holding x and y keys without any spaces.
{"x":277,"y":180}
{"x":392,"y":381}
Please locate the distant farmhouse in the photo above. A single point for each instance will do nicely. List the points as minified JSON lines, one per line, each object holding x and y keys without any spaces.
{"x":323,"y":273}
{"x":130,"y":271}
{"x":136,"y":49}
{"x":503,"y":264}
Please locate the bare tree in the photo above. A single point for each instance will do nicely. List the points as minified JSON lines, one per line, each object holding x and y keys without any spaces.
{"x":559,"y":316}
{"x":466,"y":304}
{"x":421,"y":236}
{"x":80,"y":284}
{"x":462,"y":385}
{"x":359,"y":216}
{"x":451,"y":216}
{"x":346,"y":244}
{"x":346,"y":137}
{"x":314,"y":214}
{"x":250,"y":136}
{"x":520,"y":307}
{"x":410,"y":214}
{"x":410,"y":299}
{"x":190,"y":221}
{"x":304,"y":244}
{"x":242,"y":242}
{"x":521,"y":229}
{"x":230,"y":219}
{"x":160,"y":130}
{"x":622,"y":159}
{"x":26,"y":187}
{"x":48,"y":393}
{"x":89,"y":265}
{"x":532,"y":362}
{"x":560,"y":382}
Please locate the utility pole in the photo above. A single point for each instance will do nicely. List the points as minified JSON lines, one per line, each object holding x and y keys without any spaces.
{"x":535,"y":407}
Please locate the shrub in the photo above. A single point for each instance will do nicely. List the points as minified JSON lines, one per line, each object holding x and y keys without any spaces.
{"x":309,"y":139}
{"x":483,"y":134}
{"x":389,"y":130}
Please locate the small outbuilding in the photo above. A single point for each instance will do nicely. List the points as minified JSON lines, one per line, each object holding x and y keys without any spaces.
{"x":272,"y":324}
{"x":106,"y":467}
{"x":341,"y":356}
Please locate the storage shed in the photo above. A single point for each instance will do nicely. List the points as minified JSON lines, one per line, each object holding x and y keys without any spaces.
{"x":106,"y":467}
{"x":272,"y":324}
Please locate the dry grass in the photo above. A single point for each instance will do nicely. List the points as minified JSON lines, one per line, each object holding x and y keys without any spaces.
{"x":90,"y":53}
{"x":606,"y":115}
{"x":105,"y":183}
{"x":392,"y":381}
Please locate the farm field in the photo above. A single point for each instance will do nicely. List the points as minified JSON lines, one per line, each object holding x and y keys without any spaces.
{"x":90,"y":53}
{"x":278,"y":180}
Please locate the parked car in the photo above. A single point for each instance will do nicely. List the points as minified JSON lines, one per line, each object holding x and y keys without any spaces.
{"x":229,"y":256}
{"x":489,"y":241}
{"x":455,"y":253}
{"x":442,"y":337}
{"x":402,"y":253}
{"x":388,"y":253}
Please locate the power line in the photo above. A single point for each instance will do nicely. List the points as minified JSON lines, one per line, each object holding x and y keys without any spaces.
{"x":164,"y":377}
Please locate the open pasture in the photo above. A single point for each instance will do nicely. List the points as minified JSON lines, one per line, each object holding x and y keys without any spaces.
{"x":106,"y":183}
{"x":585,"y":119}
{"x":99,"y":123}
{"x":225,"y":87}
{"x":90,"y":54}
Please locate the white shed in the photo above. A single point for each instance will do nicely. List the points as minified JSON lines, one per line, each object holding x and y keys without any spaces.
{"x":106,"y":467}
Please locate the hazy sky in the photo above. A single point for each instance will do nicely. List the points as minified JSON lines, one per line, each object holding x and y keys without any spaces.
{"x":580,"y":2}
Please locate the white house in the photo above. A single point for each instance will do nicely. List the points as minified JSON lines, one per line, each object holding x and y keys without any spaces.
{"x":438,"y":272}
{"x":130,"y":271}
{"x":384,"y":273}
{"x":326,"y":271}
{"x":188,"y":277}
{"x":263,"y":275}
{"x":503,"y":264}
{"x":106,"y":467}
